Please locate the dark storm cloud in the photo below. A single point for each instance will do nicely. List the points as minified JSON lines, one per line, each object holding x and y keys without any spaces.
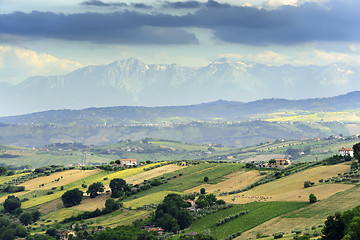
{"x":182,"y":5}
{"x":95,"y":3}
{"x":337,"y":21}
{"x":141,"y":5}
{"x":114,"y":28}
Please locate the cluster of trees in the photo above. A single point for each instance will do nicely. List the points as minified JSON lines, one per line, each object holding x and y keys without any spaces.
{"x":95,"y":188}
{"x":10,"y":230}
{"x":204,"y":201}
{"x":343,"y":226}
{"x":336,"y":159}
{"x":72,"y":197}
{"x":172,"y":214}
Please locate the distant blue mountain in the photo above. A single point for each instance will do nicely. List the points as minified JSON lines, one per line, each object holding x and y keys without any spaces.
{"x":134,"y":83}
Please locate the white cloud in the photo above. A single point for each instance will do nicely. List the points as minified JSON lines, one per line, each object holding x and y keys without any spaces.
{"x":268,"y":57}
{"x":17,"y":64}
{"x":317,"y":57}
{"x":278,"y":3}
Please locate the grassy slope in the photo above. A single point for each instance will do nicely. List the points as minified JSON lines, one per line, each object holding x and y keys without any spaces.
{"x":191,"y":177}
{"x":258,"y":213}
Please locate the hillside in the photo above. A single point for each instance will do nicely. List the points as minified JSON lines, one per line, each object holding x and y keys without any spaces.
{"x":214,"y":111}
{"x":163,"y":150}
{"x":262,"y":208}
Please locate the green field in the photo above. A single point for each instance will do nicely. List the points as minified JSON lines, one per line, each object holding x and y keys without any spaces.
{"x":258,"y":213}
{"x":191,"y":177}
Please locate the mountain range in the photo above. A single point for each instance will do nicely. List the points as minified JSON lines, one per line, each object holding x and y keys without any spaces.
{"x":220,"y":110}
{"x":131,"y":82}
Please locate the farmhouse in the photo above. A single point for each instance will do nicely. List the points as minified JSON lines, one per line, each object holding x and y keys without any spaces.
{"x":128,"y":162}
{"x":280,"y":163}
{"x":346,"y":151}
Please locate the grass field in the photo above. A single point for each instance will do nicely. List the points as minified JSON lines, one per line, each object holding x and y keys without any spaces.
{"x":344,"y":116}
{"x":153,"y":198}
{"x":311,"y":215}
{"x":96,"y":177}
{"x":258,"y":213}
{"x":193,"y":176}
{"x":234,"y":181}
{"x":124,"y":217}
{"x":291,"y":188}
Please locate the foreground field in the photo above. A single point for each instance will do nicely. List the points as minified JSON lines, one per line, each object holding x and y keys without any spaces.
{"x":312,"y":215}
{"x":291,"y":188}
{"x":257,"y":214}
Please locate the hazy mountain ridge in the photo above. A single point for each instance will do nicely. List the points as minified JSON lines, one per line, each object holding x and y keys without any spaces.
{"x":134,"y":83}
{"x":221,"y":109}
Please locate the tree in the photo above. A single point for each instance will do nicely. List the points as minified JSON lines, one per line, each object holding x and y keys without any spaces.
{"x":312,"y":198}
{"x":72,"y":197}
{"x":354,"y":166}
{"x":3,"y":170}
{"x":206,"y":179}
{"x":111,"y":205}
{"x":334,"y":227}
{"x":95,"y":188}
{"x":11,"y":204}
{"x":308,"y":184}
{"x":26,"y":218}
{"x":202,"y":191}
{"x":171,"y":214}
{"x":117,"y":186}
{"x":356,"y":148}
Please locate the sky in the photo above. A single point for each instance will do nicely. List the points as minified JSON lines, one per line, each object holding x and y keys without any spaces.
{"x":55,"y":37}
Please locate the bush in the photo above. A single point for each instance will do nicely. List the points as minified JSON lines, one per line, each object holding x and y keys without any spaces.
{"x":278,"y":235}
{"x":312,"y":198}
{"x":72,"y":197}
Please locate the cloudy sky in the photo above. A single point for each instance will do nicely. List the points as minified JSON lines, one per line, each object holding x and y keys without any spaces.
{"x":54,"y":37}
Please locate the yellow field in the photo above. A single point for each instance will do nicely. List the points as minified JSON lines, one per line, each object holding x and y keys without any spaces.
{"x":49,"y":182}
{"x":43,"y":199}
{"x":91,"y":204}
{"x":139,"y":178}
{"x":65,"y":177}
{"x":154,"y":198}
{"x":291,"y":188}
{"x":346,"y":116}
{"x":234,"y":181}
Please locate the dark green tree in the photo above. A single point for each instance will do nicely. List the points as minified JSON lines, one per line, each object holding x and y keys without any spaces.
{"x":334,"y":228}
{"x":26,"y":218}
{"x":171,"y":214}
{"x":356,"y":148}
{"x":312,"y":198}
{"x":354,"y":166}
{"x":11,"y":204}
{"x":202,"y":191}
{"x":111,"y":205}
{"x":117,"y":186}
{"x":206,"y":179}
{"x":3,"y":171}
{"x":72,"y":197}
{"x":95,"y":188}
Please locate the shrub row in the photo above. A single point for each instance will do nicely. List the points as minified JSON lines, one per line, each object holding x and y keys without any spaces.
{"x":231,"y":217}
